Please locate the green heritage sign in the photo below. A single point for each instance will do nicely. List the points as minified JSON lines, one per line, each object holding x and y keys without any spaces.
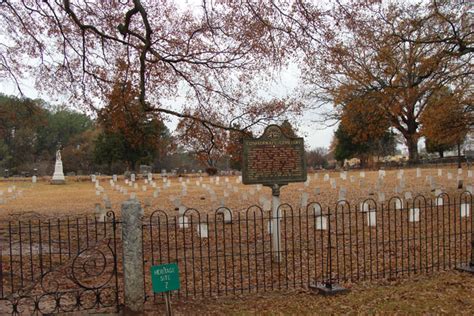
{"x":165,"y":277}
{"x":273,"y":158}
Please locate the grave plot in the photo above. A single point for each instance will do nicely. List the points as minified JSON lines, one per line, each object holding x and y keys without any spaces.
{"x":229,"y":252}
{"x":207,"y":193}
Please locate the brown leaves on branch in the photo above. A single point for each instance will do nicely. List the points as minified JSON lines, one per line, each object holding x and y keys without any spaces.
{"x":445,"y":120}
{"x":210,"y":53}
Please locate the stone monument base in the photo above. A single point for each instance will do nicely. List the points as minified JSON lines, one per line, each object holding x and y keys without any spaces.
{"x":58,"y":182}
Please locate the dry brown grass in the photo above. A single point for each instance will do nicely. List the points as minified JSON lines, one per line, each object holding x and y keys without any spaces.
{"x":448,"y":293}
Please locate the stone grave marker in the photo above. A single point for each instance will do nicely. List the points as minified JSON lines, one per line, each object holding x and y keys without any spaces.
{"x":371,"y":218}
{"x":321,"y":222}
{"x":414,"y":215}
{"x":465,"y":209}
{"x":183,"y":222}
{"x":408,"y":195}
{"x":202,"y":230}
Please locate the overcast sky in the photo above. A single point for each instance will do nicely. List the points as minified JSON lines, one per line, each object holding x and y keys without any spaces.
{"x":315,"y":135}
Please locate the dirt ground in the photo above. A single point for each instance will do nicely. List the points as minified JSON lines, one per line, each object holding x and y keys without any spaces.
{"x":448,"y":293}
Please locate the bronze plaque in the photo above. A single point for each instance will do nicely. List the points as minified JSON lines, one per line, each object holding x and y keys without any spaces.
{"x":273,"y":158}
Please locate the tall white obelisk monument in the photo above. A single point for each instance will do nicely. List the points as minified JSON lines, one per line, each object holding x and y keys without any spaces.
{"x":58,"y":176}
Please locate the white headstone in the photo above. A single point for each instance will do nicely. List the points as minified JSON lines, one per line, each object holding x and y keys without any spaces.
{"x":317,"y":209}
{"x":34,"y":179}
{"x":183,"y":222}
{"x":465,"y":209}
{"x":364,"y":207}
{"x":414,"y":215}
{"x":408,"y":195}
{"x":202,"y":230}
{"x":321,"y":222}
{"x":398,"y":204}
{"x":132,"y":177}
{"x":371,"y":218}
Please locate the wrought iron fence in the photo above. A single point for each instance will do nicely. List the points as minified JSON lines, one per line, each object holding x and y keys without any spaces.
{"x":225,"y":252}
{"x":72,"y":264}
{"x":61,"y":265}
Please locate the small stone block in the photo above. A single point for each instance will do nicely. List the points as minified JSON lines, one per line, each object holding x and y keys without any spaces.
{"x":467,"y":268}
{"x":329,"y":289}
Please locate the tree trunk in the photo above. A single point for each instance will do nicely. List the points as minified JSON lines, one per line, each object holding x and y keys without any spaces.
{"x":412,"y":144}
{"x":441,"y":154}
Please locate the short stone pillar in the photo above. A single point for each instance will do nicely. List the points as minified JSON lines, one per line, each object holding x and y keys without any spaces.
{"x":132,"y":256}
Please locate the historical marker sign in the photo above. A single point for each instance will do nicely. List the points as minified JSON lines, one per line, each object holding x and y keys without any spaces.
{"x":165,"y":277}
{"x":273,"y":158}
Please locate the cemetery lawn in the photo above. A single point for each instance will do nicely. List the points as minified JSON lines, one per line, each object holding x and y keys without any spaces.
{"x":79,"y":195}
{"x":449,"y":293}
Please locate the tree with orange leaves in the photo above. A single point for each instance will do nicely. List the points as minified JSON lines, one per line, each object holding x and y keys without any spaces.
{"x":447,"y":120}
{"x":360,"y":61}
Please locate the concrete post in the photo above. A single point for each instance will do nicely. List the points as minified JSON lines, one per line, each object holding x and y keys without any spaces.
{"x":132,"y":256}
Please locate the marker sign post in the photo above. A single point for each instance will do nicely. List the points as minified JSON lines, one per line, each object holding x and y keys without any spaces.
{"x":165,"y":278}
{"x":274,"y":160}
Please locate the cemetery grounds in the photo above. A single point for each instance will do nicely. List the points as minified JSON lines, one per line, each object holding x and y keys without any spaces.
{"x":227,"y":265}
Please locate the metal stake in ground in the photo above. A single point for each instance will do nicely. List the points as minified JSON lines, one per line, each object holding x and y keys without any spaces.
{"x":328,"y":287}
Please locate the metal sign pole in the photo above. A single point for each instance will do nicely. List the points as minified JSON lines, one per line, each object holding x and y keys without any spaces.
{"x":276,"y":234}
{"x":168,"y":304}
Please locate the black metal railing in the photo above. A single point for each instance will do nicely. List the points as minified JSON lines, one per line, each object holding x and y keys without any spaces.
{"x":225,"y":252}
{"x":58,"y":265}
